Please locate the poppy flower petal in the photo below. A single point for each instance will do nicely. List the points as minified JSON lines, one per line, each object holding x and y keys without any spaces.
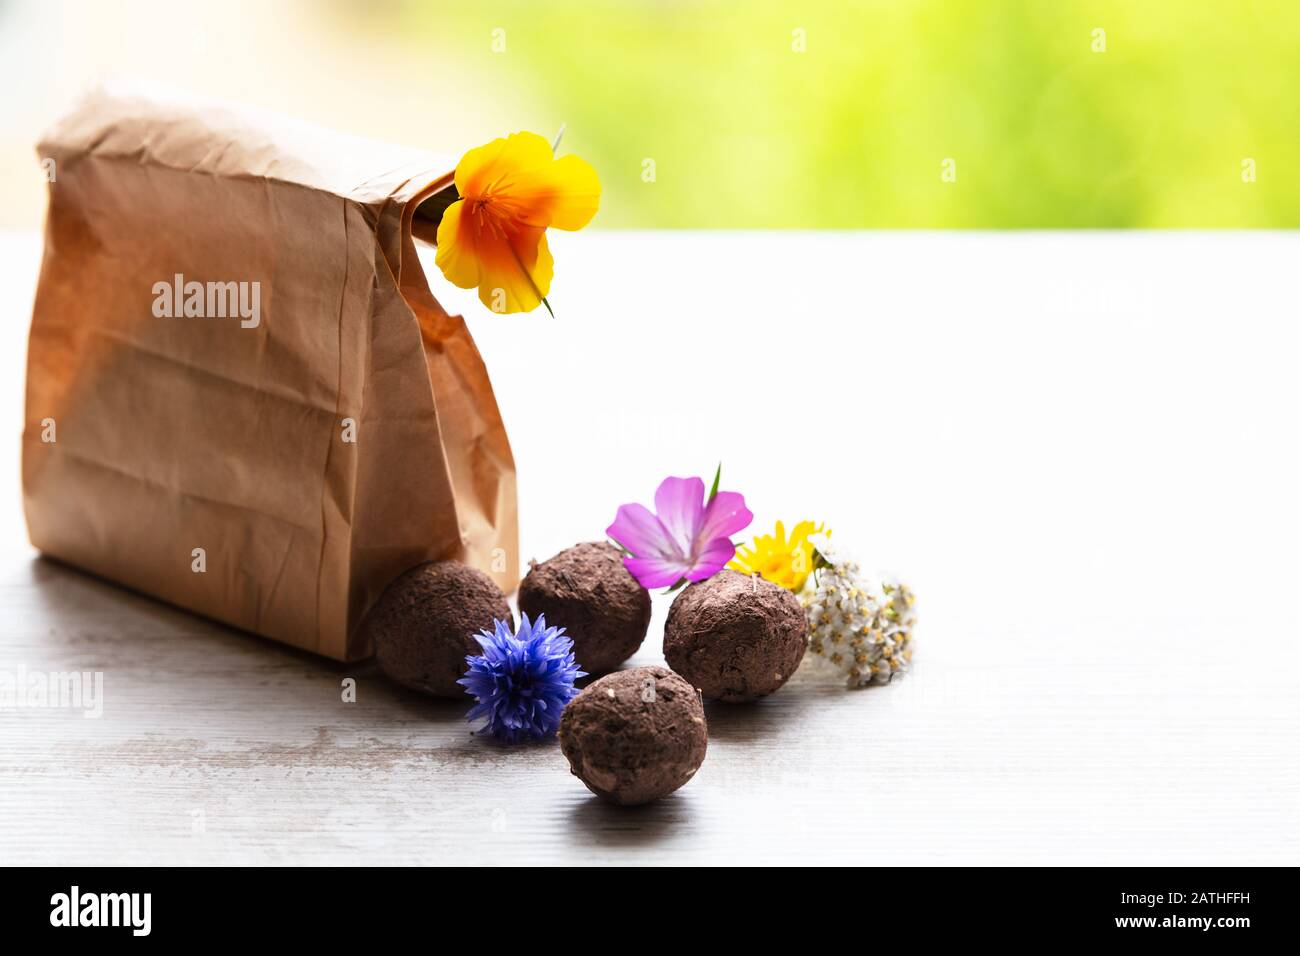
{"x":564,"y":194}
{"x":457,"y":257}
{"x":485,"y":165}
{"x":514,"y":272}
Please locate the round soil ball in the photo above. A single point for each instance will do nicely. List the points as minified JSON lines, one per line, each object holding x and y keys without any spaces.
{"x":735,"y":637}
{"x":587,"y":591}
{"x":636,"y":735}
{"x":423,"y":626}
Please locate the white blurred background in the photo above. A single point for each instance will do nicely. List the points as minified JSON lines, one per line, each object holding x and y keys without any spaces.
{"x":345,"y":65}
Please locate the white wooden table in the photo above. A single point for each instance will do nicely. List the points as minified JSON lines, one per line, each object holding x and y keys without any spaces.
{"x":1079,"y":449}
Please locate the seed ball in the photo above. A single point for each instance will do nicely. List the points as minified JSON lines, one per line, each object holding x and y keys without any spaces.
{"x":735,"y":637}
{"x":423,"y":625}
{"x":587,"y":591}
{"x":635,"y":736}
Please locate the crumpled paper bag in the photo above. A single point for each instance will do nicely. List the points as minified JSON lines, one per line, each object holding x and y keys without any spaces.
{"x":241,"y":396}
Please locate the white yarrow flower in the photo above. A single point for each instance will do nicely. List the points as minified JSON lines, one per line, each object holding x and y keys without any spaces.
{"x":860,"y":626}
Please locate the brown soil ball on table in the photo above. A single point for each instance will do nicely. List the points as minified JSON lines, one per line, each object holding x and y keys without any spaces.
{"x":735,"y":637}
{"x":423,"y":625}
{"x":587,"y":591}
{"x":635,"y":735}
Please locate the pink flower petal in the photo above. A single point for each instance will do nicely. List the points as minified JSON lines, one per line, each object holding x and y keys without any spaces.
{"x":656,"y":572}
{"x":640,"y":532}
{"x":686,"y":539}
{"x":679,"y":502}
{"x":712,"y":559}
{"x":725,"y":516}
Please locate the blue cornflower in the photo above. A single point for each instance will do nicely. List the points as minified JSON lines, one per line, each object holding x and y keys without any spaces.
{"x":522,"y":681}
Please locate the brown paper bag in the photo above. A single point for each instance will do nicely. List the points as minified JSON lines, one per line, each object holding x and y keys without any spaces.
{"x":319,"y":426}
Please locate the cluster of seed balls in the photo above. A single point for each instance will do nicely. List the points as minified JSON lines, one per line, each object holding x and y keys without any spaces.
{"x":632,"y":736}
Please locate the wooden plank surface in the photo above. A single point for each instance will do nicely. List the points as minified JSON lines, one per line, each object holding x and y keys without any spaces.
{"x":1088,"y":481}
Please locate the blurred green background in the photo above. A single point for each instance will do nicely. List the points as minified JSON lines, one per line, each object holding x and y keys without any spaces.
{"x":1045,"y":128}
{"x":796,"y":114}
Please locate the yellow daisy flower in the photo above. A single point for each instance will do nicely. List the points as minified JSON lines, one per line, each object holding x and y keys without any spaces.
{"x":784,"y":562}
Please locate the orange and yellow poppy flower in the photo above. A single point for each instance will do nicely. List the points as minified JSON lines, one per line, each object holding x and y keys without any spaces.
{"x":494,"y":237}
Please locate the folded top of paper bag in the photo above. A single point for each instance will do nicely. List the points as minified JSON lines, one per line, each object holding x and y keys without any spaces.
{"x":189,"y":132}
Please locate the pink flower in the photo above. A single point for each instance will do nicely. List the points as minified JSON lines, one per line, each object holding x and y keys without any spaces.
{"x":689,"y":539}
